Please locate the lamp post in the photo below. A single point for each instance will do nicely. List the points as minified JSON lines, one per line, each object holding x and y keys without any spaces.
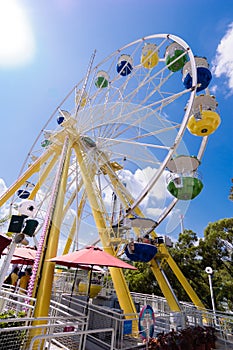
{"x":209,"y":272}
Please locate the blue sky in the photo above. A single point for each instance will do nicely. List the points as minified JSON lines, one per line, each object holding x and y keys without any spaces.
{"x":41,"y":60}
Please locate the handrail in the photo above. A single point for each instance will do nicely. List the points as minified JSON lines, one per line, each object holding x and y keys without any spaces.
{"x":65,"y":334}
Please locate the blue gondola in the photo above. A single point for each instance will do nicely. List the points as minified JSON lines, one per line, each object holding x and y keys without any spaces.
{"x":142,"y":252}
{"x":23,"y":194}
{"x":60,"y":119}
{"x":204,"y":75}
{"x":64,"y":115}
{"x":125,"y":65}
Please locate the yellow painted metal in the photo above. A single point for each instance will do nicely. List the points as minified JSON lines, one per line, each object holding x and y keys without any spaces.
{"x":113,"y":165}
{"x":43,"y":176}
{"x":70,"y":238}
{"x":179,"y":275}
{"x":69,"y":202}
{"x":122,"y":193}
{"x":149,"y":57}
{"x":43,"y":294}
{"x":155,"y":266}
{"x":120,"y":189}
{"x":95,"y":200}
{"x":94,"y":289}
{"x":164,"y":286}
{"x":72,"y":198}
{"x":118,"y":279}
{"x":163,"y":283}
{"x":81,"y":98}
{"x":92,"y":192}
{"x":74,"y":225}
{"x":26,"y":175}
{"x":43,"y":287}
{"x":208,"y":122}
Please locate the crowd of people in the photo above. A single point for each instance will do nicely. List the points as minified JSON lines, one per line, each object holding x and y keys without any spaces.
{"x":18,"y":278}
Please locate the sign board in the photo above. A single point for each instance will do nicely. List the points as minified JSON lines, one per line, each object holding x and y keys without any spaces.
{"x":146,"y":322}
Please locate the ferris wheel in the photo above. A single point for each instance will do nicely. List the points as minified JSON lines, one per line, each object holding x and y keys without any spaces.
{"x":112,"y":161}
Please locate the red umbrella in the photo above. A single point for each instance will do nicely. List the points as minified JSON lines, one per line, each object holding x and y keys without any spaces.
{"x":25,"y":253}
{"x":22,"y":261}
{"x":22,"y":255}
{"x":4,"y":242}
{"x":91,"y":256}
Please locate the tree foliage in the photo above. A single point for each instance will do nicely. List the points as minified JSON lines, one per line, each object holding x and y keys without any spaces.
{"x":193,"y":255}
{"x":186,"y":255}
{"x":142,"y":280}
{"x":216,"y":250}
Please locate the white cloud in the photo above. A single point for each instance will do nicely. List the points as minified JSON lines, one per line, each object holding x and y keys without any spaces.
{"x":136,"y":182}
{"x":3,"y":186}
{"x":17,"y":42}
{"x":154,"y":202}
{"x":223,"y":61}
{"x":213,"y":89}
{"x":154,"y":212}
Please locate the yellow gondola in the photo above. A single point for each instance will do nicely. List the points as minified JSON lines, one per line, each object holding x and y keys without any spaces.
{"x":204,"y":120}
{"x":81,"y":98}
{"x":94,"y":289}
{"x":149,"y":57}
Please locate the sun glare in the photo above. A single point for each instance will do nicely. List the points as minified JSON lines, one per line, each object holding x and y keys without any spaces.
{"x":16,"y":39}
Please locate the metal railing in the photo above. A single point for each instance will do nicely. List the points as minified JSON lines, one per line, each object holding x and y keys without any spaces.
{"x":189,"y":316}
{"x":107,"y":318}
{"x":72,"y":322}
{"x":50,"y":337}
{"x":11,"y":299}
{"x":25,"y":333}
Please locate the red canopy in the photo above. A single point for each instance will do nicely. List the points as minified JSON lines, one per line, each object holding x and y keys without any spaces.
{"x":4,"y":242}
{"x":22,"y":261}
{"x":25,"y":253}
{"x":91,"y":256}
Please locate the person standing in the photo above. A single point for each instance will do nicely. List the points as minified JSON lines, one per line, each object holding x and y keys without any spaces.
{"x":23,"y":282}
{"x":14,"y":276}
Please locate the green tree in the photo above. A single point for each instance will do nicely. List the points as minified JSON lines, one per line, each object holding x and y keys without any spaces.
{"x":193,"y":255}
{"x":215,"y":250}
{"x":142,"y":280}
{"x":185,"y":253}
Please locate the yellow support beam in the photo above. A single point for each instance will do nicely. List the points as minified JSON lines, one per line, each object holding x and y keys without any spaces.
{"x":43,"y":286}
{"x":74,"y":226}
{"x":70,"y":237}
{"x":47,"y":268}
{"x":181,"y":278}
{"x":43,"y":176}
{"x":72,"y":198}
{"x":26,"y":175}
{"x":118,"y":279}
{"x":164,"y":286}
